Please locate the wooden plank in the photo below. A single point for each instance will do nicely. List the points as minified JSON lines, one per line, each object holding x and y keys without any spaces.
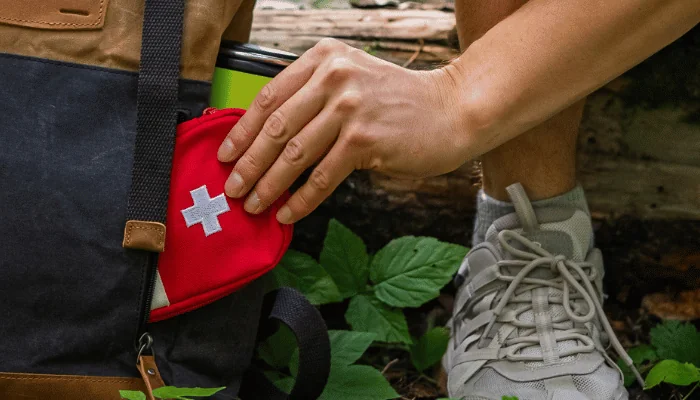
{"x":634,"y":159}
{"x":430,"y":25}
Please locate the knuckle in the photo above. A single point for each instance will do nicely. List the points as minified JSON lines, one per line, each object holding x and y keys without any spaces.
{"x":245,"y":130}
{"x":339,"y":69}
{"x":349,"y":101}
{"x":275,"y":125}
{"x":303,"y":200}
{"x":319,"y":180}
{"x":326,"y":45}
{"x":294,"y":153}
{"x":266,"y":98}
{"x":248,"y":161}
{"x":357,"y":138}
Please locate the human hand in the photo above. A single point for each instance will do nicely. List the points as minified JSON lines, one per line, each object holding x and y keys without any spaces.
{"x":346,"y":110}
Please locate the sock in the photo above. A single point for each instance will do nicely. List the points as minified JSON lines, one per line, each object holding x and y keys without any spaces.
{"x":489,"y":209}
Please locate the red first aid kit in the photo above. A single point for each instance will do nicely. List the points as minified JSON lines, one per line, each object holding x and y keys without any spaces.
{"x":213,"y":246}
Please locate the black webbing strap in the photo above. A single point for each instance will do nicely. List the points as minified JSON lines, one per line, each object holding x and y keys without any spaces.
{"x":157,"y":98}
{"x":292,"y":309}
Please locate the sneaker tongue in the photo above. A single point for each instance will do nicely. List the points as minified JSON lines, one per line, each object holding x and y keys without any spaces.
{"x":560,"y":231}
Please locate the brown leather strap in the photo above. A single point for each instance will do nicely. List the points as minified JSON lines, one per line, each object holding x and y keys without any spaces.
{"x":15,"y":386}
{"x":150,"y":375}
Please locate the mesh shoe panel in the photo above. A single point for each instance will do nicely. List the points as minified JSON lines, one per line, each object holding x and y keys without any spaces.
{"x":601,"y":384}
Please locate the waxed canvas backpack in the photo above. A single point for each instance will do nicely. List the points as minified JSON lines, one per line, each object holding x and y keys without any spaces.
{"x":122,"y":264}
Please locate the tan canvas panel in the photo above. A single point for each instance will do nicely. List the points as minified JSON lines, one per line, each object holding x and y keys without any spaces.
{"x":118,"y":43}
{"x":56,"y":14}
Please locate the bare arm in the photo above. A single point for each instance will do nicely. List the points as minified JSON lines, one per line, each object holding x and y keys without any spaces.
{"x":346,"y":110}
{"x":550,"y":54}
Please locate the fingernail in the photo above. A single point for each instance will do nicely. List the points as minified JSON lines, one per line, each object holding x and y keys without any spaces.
{"x":234,"y":185}
{"x":284,"y":215}
{"x":226,"y":150}
{"x":252,"y":203}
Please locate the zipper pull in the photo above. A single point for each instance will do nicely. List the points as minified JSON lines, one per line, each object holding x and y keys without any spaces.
{"x":146,"y":364}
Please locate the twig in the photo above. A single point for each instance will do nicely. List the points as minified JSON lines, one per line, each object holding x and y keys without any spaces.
{"x":416,"y":54}
{"x":392,"y":362}
{"x":687,"y":396}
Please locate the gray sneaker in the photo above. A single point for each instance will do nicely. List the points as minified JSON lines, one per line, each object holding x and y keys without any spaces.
{"x":528,"y":318}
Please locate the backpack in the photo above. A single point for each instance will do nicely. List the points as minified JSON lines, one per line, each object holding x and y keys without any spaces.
{"x":88,"y":210}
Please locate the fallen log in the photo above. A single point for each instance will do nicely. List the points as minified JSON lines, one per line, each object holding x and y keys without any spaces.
{"x":638,"y":157}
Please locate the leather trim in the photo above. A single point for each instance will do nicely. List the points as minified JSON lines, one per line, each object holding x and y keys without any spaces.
{"x":17,"y":386}
{"x":117,"y":45}
{"x":150,"y":374}
{"x":144,"y":235}
{"x":54,"y":15}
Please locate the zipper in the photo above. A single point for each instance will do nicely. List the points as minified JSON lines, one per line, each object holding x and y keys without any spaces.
{"x":152,"y":262}
{"x":149,"y":284}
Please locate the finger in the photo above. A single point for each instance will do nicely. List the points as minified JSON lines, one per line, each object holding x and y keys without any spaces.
{"x":300,"y":153}
{"x":332,"y":170}
{"x":281,"y":127}
{"x":274,"y":94}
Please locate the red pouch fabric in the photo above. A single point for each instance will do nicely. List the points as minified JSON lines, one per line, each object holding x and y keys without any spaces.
{"x":212,"y":246}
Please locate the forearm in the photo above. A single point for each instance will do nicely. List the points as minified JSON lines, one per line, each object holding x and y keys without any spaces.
{"x":549,"y":54}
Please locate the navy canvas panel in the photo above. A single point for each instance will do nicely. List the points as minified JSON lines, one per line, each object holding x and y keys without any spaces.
{"x":70,"y":295}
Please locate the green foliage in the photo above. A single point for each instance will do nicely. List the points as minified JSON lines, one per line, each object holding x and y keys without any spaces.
{"x":301,"y":271}
{"x":171,"y":392}
{"x":277,"y":349}
{"x":345,"y":257}
{"x":367,"y":314}
{"x":346,"y":380}
{"x":641,"y":356}
{"x":674,"y":372}
{"x":357,"y":382}
{"x":407,"y":272}
{"x":509,"y":398}
{"x":410,"y":271}
{"x":132,"y":395}
{"x":677,"y":345}
{"x":677,"y":341}
{"x":428,"y":350}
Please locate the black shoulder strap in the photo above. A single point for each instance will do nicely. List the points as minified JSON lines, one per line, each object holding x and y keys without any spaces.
{"x":150,"y":184}
{"x":156,"y":124}
{"x":292,"y":309}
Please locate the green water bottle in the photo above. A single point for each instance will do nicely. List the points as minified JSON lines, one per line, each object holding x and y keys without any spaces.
{"x":242,"y":70}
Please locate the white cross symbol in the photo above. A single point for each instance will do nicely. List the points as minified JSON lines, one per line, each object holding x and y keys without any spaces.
{"x":205,"y":210}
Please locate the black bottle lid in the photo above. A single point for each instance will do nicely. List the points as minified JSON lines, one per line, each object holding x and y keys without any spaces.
{"x":252,"y":59}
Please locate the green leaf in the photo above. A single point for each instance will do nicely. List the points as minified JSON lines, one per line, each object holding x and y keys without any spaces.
{"x":302,"y":272}
{"x":367,"y":314}
{"x":676,"y":341}
{"x":357,"y":382}
{"x":642,"y":353}
{"x":628,"y":376}
{"x":345,"y":257}
{"x":639,"y":355}
{"x":277,"y":349}
{"x":347,"y":346}
{"x":410,"y":270}
{"x":283,"y":382}
{"x":132,"y":395}
{"x":509,"y":398}
{"x":172,"y":392}
{"x":430,"y":348}
{"x":673,"y":372}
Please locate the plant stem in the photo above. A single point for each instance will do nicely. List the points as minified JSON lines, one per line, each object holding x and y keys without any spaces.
{"x":687,"y":396}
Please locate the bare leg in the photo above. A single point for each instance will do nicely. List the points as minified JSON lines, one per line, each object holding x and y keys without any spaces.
{"x":543,"y":159}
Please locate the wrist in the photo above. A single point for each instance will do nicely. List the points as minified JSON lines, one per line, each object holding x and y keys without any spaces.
{"x":467,"y":114}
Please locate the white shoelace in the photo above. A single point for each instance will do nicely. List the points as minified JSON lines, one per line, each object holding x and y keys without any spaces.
{"x":538,"y":257}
